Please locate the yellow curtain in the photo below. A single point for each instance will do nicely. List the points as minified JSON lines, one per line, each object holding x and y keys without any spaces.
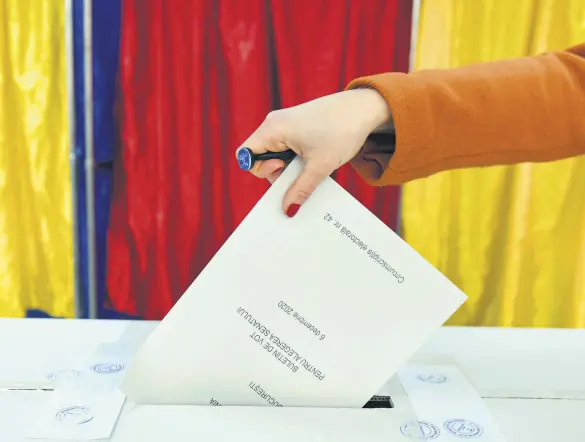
{"x":36,"y":239}
{"x":512,"y":238}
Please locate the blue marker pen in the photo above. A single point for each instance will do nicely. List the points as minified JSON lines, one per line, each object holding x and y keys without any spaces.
{"x":247,"y":158}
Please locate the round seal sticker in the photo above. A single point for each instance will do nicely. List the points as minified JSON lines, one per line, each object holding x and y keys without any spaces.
{"x":62,"y":374}
{"x":107,"y":368}
{"x":463,"y":428}
{"x":420,"y":430}
{"x":431,"y":378}
{"x":75,"y":415}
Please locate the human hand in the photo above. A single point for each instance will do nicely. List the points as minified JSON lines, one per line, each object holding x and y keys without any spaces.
{"x":327,"y":132}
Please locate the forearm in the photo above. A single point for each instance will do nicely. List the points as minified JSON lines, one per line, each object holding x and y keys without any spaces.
{"x":530,"y":109}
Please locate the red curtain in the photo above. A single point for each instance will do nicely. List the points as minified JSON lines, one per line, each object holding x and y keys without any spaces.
{"x":197,"y":77}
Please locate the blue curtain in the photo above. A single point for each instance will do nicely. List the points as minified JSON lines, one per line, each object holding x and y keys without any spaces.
{"x":106,"y":16}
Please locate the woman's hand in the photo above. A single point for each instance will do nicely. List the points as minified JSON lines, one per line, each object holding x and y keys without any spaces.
{"x":327,"y":132}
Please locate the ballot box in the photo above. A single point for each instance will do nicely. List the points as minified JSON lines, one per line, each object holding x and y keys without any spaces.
{"x":81,"y":401}
{"x":81,"y":410}
{"x":66,"y":415}
{"x":521,"y":420}
{"x":59,"y":382}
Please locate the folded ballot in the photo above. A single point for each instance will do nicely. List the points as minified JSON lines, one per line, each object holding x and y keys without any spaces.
{"x":316,"y":310}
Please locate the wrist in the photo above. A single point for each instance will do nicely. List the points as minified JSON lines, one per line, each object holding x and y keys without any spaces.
{"x":375,"y":111}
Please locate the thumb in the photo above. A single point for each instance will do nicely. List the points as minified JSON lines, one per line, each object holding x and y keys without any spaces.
{"x":303,"y":187}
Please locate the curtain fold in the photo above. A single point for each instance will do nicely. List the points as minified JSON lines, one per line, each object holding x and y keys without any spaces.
{"x":512,"y":238}
{"x":323,"y":59}
{"x":197,"y":77}
{"x":36,"y":241}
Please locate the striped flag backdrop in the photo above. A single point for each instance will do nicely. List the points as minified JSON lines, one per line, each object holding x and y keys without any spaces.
{"x":118,"y":123}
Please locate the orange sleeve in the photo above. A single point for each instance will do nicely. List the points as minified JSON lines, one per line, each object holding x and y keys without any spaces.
{"x":530,"y":109}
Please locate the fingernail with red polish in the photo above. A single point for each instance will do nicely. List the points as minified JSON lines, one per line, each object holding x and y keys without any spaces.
{"x":292,"y":210}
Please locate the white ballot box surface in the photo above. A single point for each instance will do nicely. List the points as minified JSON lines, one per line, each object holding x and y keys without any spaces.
{"x":468,"y":389}
{"x":84,"y":412}
{"x":317,"y":310}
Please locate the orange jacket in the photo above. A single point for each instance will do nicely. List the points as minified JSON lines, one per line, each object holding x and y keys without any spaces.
{"x":530,"y":109}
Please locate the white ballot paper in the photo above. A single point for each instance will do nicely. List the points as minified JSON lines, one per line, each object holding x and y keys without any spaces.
{"x":316,"y":310}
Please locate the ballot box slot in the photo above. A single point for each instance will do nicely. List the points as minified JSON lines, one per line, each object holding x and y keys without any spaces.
{"x":379,"y":402}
